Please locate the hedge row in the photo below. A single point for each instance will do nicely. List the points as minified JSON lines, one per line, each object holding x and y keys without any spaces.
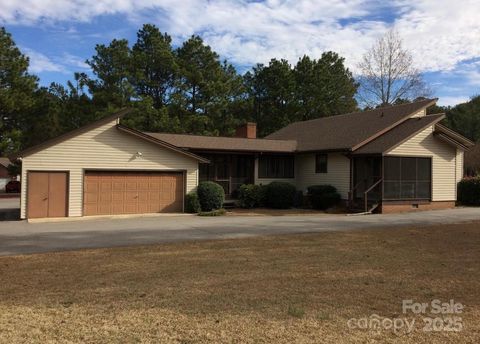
{"x":283,"y":195}
{"x":468,"y":192}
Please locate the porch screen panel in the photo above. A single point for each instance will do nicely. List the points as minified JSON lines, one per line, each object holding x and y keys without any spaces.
{"x":407,"y":178}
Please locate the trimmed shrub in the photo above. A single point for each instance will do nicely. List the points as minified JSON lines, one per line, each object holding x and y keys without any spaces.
{"x":251,"y":195}
{"x":469,"y":191}
{"x":210,"y":195}
{"x":280,"y":195}
{"x":323,"y":196}
{"x":192,"y":205}
{"x":298,"y":200}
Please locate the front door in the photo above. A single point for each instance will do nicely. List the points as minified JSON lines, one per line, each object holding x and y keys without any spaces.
{"x":47,"y":194}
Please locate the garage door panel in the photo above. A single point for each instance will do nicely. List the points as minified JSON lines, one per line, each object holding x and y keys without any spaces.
{"x":118,"y":196}
{"x":105,"y":185}
{"x":118,"y":185}
{"x":133,"y":192}
{"x":90,"y":209}
{"x":131,"y":185}
{"x":117,"y":209}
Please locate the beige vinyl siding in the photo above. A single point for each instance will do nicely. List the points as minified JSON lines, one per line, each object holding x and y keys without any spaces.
{"x":104,"y":148}
{"x":424,"y":144}
{"x":420,"y":113}
{"x":459,"y":162}
{"x":338,"y":172}
{"x":265,"y":181}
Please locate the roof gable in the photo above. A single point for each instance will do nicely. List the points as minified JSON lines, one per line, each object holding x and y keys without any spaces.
{"x":68,"y":135}
{"x":398,"y":134}
{"x":350,"y":131}
{"x":94,"y":125}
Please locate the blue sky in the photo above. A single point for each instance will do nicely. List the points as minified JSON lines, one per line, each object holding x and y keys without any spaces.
{"x":443,"y":35}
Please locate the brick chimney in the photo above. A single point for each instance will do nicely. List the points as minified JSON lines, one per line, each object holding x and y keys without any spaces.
{"x":248,"y":130}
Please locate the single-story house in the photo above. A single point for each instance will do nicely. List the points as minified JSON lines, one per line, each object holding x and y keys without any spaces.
{"x":393,"y":159}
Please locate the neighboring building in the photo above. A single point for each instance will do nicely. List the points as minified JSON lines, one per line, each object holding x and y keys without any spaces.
{"x":4,"y":176}
{"x":472,"y":161}
{"x":396,"y":158}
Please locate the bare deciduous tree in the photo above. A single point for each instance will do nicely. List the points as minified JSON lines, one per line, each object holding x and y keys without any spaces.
{"x":388,"y":75}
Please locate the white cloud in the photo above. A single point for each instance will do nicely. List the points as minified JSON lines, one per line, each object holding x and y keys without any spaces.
{"x":41,"y":63}
{"x":441,"y":33}
{"x":66,"y":63}
{"x":452,"y":100}
{"x":74,"y":61}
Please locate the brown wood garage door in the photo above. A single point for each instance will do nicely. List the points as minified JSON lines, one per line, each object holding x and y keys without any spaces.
{"x":112,"y":193}
{"x":47,"y":194}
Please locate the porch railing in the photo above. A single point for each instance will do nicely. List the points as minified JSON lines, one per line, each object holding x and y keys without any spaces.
{"x":374,"y":185}
{"x":351,"y":193}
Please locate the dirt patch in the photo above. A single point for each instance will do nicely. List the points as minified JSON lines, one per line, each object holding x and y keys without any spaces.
{"x":275,"y":289}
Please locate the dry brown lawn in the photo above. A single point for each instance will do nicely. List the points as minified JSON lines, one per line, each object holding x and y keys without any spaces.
{"x":275,"y":289}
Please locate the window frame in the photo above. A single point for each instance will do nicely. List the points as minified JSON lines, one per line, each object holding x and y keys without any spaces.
{"x":416,"y":182}
{"x":317,"y":167}
{"x":281,"y":162}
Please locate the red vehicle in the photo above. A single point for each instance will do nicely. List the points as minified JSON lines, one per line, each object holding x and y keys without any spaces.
{"x":12,"y":186}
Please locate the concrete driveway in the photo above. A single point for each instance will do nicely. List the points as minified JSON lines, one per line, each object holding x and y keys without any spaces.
{"x":20,"y":237}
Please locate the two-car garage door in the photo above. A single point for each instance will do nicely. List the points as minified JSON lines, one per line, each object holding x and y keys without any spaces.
{"x":111,"y":193}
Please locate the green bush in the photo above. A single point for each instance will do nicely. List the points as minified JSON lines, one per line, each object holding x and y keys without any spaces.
{"x":192,"y":205}
{"x":323,"y":196}
{"x":280,"y":195}
{"x":210,"y":195}
{"x":251,"y":195}
{"x":468,"y":192}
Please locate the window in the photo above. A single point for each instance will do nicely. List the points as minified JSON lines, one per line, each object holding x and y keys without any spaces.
{"x":276,"y":166}
{"x":407,"y":178}
{"x":321,"y":163}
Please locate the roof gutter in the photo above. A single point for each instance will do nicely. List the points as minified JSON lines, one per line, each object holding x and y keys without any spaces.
{"x":462,"y":140}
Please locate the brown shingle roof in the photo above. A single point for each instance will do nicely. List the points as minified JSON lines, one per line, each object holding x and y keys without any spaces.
{"x":398,"y":134}
{"x":220,"y":143}
{"x":349,"y":131}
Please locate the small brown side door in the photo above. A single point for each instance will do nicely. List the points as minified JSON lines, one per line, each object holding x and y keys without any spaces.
{"x":47,"y":194}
